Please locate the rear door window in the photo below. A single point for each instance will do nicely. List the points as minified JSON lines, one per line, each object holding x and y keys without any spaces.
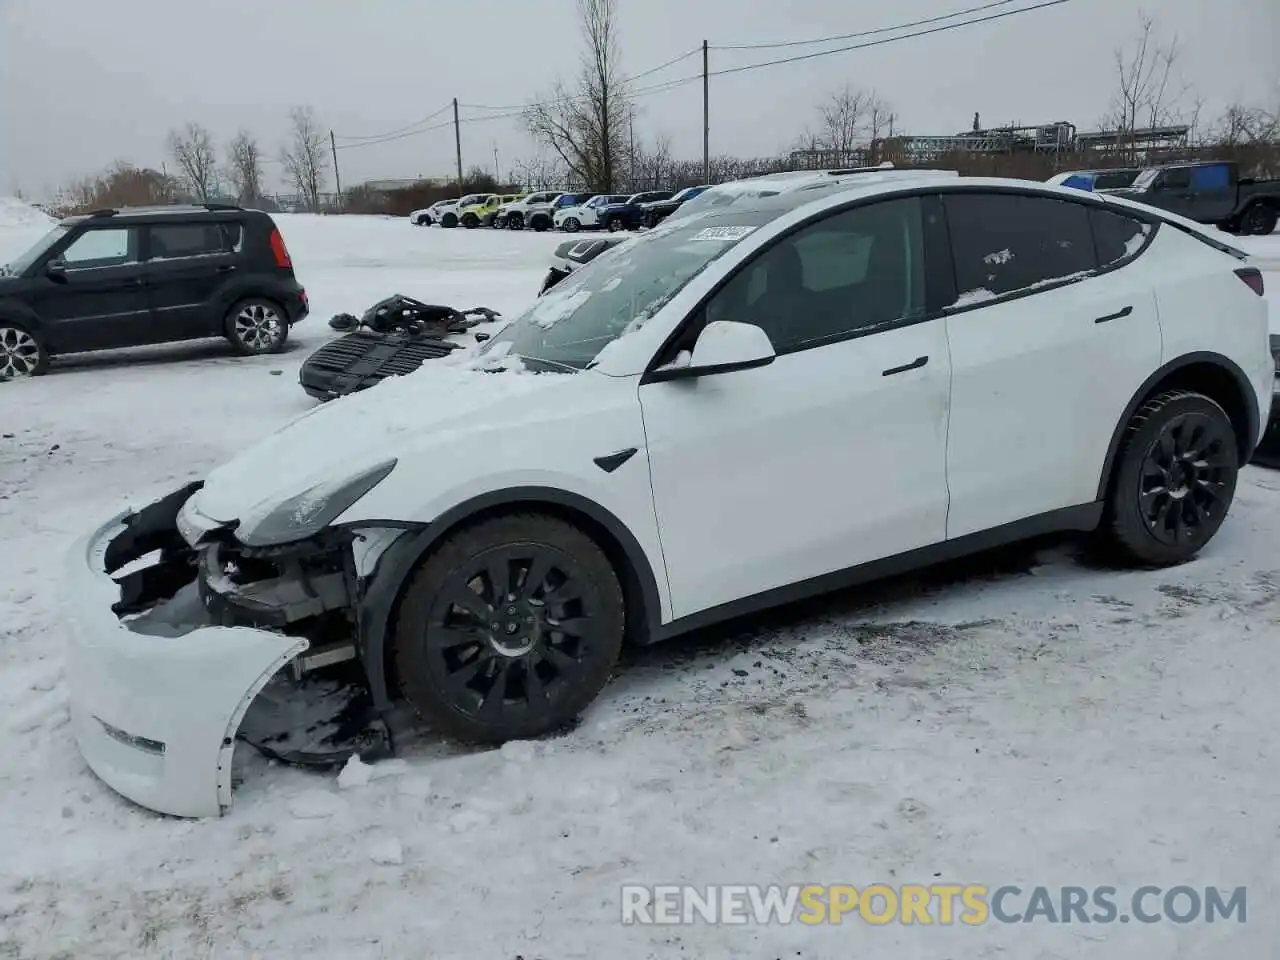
{"x":182,"y":240}
{"x":1213,"y":176}
{"x":1008,"y":243}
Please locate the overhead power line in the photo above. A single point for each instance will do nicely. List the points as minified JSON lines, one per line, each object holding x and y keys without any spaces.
{"x":398,"y":130}
{"x":773,"y":45}
{"x":515,"y":110}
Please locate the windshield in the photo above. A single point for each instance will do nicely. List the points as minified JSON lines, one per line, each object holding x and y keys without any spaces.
{"x":612,"y":295}
{"x":22,"y":264}
{"x":472,"y":198}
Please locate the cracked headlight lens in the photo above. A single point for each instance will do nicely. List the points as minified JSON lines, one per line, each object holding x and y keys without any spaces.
{"x":311,"y":511}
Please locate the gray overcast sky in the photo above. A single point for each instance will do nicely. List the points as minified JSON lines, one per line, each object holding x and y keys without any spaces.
{"x":84,"y":82}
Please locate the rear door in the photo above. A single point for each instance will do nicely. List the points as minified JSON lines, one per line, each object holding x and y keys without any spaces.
{"x":190,"y":263}
{"x":1051,"y":335}
{"x":98,"y":299}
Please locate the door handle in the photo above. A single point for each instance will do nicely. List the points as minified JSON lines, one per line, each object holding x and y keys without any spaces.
{"x":913,"y":365}
{"x":1115,"y":316}
{"x":227,"y":268}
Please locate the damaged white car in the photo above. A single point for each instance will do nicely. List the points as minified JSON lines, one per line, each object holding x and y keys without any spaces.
{"x":729,"y":412}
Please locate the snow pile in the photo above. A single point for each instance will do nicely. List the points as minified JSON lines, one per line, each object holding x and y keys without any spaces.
{"x":20,"y":214}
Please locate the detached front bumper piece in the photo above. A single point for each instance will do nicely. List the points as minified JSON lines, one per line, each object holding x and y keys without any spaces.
{"x":157,"y":696}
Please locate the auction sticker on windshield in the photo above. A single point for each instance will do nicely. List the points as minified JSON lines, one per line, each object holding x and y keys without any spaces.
{"x":722,"y":233}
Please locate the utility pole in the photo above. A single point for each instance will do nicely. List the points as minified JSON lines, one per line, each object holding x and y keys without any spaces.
{"x":337,"y":175}
{"x":497,"y":177}
{"x":706,"y":118}
{"x":631,"y":157}
{"x":457,"y":143}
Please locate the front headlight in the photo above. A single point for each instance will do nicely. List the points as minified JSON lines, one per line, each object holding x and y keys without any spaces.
{"x":311,"y":511}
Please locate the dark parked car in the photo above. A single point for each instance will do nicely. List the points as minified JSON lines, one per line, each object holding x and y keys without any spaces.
{"x":655,"y":211}
{"x":1211,"y":192}
{"x":628,"y":215}
{"x":144,"y":275}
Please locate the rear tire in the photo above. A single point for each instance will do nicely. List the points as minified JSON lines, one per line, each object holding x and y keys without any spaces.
{"x":508,"y":630}
{"x":615,"y":224}
{"x":1174,"y":480}
{"x":470,"y":221}
{"x":1259,"y":220}
{"x":256,"y":327}
{"x":449,"y":221}
{"x":22,"y":352}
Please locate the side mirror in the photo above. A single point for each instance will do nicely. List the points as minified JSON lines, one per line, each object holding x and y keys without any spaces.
{"x":723,"y":347}
{"x":56,"y":269}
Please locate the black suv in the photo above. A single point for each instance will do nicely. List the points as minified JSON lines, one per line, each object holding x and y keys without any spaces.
{"x":144,"y":275}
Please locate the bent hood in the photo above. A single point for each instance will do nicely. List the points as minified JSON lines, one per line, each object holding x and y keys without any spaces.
{"x":349,"y":435}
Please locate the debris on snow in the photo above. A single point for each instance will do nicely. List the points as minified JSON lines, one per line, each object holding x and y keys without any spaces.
{"x":356,"y":773}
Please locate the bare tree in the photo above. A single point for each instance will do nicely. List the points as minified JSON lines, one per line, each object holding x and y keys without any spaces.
{"x":193,"y":151}
{"x":652,"y":166}
{"x":244,"y":167}
{"x":843,"y":117}
{"x":1149,"y":92}
{"x":305,"y":158}
{"x":539,"y":172}
{"x":587,"y":127}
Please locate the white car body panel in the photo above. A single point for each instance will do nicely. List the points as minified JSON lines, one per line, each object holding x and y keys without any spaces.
{"x":185,"y":690}
{"x":741,"y":483}
{"x":764,"y":478}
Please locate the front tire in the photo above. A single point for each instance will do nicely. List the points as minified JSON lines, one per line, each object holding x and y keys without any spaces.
{"x":509,"y":630}
{"x":572,"y":225}
{"x":1174,"y":480}
{"x":470,"y":221}
{"x":449,"y":221}
{"x":515,"y":222}
{"x":22,"y":353}
{"x":257,"y":327}
{"x":615,"y":224}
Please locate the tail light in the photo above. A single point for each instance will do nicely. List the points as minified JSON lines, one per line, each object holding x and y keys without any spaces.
{"x":302,"y":295}
{"x":1252,"y":277}
{"x":280,"y":251}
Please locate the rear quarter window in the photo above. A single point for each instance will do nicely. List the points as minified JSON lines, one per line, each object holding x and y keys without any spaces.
{"x":1116,"y":236}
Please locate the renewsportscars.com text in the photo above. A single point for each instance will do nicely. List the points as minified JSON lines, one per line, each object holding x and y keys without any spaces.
{"x":929,"y":904}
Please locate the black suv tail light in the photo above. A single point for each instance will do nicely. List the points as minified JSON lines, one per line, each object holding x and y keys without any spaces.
{"x":279,"y":250}
{"x":1252,"y":277}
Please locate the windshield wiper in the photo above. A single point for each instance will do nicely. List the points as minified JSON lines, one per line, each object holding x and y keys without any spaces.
{"x":567,"y":367}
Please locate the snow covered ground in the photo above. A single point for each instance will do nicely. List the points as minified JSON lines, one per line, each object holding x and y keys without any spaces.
{"x":1026,"y":718}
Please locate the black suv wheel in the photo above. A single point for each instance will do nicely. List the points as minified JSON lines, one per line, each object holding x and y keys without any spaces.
{"x":22,"y":353}
{"x":256,"y":326}
{"x":508,"y":630}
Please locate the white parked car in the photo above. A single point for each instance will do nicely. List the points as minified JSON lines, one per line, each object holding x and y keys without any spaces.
{"x":533,"y":211}
{"x":730,"y":411}
{"x":587,"y":216}
{"x":431,"y":214}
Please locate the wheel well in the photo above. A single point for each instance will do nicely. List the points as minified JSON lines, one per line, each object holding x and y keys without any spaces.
{"x":633,"y":594}
{"x":1204,"y":376}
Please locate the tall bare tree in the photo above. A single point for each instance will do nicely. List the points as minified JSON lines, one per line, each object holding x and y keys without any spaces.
{"x":193,"y":151}
{"x":306,"y":158}
{"x":842,"y":119}
{"x":244,"y":166}
{"x":586,"y":125}
{"x":1149,"y":92}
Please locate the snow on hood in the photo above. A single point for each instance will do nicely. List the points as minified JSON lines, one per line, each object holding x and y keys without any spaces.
{"x":347,"y":436}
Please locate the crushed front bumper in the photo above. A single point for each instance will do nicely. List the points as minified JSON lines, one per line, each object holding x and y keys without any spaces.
{"x":157,"y":697}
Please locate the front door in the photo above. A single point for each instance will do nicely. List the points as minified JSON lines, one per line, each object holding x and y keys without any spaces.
{"x":190,"y":263}
{"x":834,"y":454}
{"x":98,"y":297}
